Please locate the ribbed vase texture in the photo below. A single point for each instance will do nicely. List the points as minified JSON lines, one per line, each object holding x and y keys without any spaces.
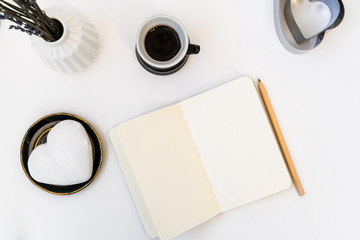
{"x":75,"y":50}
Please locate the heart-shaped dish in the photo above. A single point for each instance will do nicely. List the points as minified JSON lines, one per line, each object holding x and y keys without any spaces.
{"x":66,"y":158}
{"x":37,"y":134}
{"x":301,"y":24}
{"x":311,"y":17}
{"x":336,"y":8}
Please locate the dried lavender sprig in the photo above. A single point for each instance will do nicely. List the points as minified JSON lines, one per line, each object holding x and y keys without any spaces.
{"x":19,"y":10}
{"x":23,"y":25}
{"x":30,"y":32}
{"x":14,"y":15}
{"x":30,"y":27}
{"x":48,"y":23}
{"x":44,"y":35}
{"x":28,"y":15}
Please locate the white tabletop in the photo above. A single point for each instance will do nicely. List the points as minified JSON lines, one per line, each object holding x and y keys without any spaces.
{"x":315,"y":96}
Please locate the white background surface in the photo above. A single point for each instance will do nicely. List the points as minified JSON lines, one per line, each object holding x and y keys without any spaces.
{"x":315,"y":96}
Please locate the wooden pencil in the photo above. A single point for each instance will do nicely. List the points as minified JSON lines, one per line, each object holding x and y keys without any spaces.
{"x":280,"y":138}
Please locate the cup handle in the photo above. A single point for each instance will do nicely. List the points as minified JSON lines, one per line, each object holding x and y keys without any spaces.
{"x":193,"y":49}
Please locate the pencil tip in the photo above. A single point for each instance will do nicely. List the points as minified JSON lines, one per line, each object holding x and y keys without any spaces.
{"x":259,"y":80}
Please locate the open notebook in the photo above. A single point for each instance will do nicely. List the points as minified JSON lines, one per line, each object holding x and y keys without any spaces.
{"x":190,"y":161}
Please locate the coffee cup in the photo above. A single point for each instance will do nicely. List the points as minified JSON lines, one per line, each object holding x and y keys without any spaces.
{"x":162,"y":45}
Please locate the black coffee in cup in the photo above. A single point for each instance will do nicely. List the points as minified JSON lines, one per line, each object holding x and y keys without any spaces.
{"x":162,"y":43}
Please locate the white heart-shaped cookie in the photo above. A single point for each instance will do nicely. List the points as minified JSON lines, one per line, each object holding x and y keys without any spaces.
{"x":312,"y":17}
{"x":66,"y":158}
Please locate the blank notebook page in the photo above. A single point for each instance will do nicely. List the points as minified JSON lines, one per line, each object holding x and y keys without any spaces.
{"x":167,"y":176}
{"x":236,"y":143}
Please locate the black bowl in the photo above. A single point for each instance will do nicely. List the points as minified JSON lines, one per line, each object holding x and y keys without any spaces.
{"x":37,"y":134}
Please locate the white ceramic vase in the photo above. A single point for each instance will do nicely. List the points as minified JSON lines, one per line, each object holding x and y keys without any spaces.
{"x":77,"y":47}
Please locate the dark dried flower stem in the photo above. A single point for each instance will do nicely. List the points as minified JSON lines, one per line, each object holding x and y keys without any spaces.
{"x":29,"y":18}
